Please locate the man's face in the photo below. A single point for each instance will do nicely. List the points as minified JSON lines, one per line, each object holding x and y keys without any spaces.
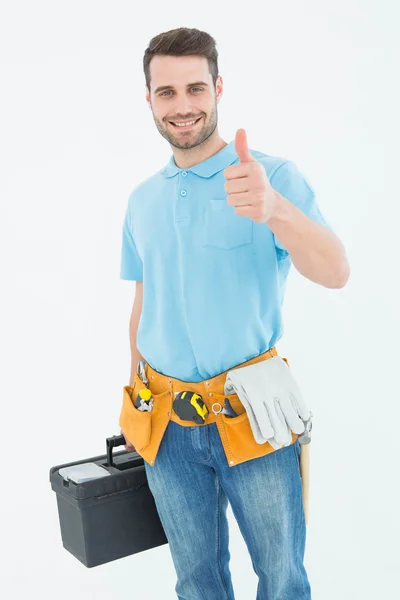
{"x":182,"y":91}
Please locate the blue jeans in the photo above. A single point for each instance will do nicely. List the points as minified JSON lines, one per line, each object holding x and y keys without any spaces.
{"x":191,"y":483}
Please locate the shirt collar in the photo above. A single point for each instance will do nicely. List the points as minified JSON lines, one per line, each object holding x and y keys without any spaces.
{"x":208,"y":167}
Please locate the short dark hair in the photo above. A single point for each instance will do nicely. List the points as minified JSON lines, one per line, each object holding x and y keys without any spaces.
{"x":182,"y":42}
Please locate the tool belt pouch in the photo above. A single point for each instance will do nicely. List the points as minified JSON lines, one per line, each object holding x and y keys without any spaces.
{"x":254,"y":381}
{"x":135,"y":424}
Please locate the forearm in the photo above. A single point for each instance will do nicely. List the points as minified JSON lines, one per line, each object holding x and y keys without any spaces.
{"x":316,"y":252}
{"x":135,"y":354}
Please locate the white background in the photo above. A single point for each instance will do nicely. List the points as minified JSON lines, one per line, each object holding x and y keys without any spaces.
{"x":312,"y":82}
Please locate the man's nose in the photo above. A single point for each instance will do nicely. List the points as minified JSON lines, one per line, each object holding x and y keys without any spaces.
{"x":183,"y":109}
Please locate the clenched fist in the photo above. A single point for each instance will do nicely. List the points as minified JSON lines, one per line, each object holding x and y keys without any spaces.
{"x":128,"y":446}
{"x":248,"y":187}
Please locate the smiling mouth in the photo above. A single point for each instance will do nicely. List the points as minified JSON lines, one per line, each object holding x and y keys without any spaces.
{"x":185,"y":125}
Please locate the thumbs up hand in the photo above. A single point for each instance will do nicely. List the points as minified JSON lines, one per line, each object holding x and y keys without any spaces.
{"x":248,"y":187}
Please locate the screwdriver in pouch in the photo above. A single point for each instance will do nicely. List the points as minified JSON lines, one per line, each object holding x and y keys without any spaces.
{"x":144,"y":400}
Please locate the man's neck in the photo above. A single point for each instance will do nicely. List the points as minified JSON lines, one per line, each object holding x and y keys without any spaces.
{"x":185,"y":159}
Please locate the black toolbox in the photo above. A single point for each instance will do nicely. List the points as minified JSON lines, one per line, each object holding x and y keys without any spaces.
{"x":109,"y":517}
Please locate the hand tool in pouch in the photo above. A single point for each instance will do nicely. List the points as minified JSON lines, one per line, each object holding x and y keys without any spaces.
{"x":228,"y":411}
{"x":305,"y":437}
{"x":144,"y":399}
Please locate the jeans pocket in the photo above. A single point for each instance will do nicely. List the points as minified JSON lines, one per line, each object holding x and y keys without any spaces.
{"x":225,"y":229}
{"x":304,"y":488}
{"x":297,"y":450}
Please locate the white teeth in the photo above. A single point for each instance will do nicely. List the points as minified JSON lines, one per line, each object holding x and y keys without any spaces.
{"x":185,"y":124}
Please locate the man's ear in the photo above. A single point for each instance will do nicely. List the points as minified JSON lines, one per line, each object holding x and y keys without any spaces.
{"x":147,"y":94}
{"x":219,"y":88}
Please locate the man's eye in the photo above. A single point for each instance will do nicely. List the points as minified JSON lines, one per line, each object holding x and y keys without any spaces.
{"x":170,"y":91}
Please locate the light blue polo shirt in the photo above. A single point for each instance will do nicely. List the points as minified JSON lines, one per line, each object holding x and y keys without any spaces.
{"x":213,"y":281}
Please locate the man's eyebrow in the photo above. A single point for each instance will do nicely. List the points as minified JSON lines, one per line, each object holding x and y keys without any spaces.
{"x":167,"y":87}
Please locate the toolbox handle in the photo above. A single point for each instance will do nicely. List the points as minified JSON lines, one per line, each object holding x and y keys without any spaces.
{"x":113,"y":442}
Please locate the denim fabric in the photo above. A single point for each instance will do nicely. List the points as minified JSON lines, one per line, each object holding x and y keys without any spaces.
{"x":192,"y":483}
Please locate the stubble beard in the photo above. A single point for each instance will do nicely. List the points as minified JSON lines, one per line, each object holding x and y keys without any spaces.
{"x":191,"y":140}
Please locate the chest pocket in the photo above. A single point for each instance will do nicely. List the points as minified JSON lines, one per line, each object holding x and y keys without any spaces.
{"x":223,"y":228}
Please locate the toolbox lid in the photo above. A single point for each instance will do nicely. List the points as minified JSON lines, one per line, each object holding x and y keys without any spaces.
{"x":83,"y":472}
{"x":128,"y":473}
{"x":101,"y":477}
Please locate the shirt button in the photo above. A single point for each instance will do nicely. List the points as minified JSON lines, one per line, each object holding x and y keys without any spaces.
{"x":183,"y":193}
{"x":184,"y":173}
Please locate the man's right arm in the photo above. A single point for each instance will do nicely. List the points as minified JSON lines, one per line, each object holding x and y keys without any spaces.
{"x":135,"y":354}
{"x":133,"y":327}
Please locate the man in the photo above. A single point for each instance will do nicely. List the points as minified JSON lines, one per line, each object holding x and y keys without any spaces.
{"x":209,"y":240}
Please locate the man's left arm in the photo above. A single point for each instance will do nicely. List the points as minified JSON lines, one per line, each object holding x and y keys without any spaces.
{"x":287,"y":205}
{"x":315,"y":250}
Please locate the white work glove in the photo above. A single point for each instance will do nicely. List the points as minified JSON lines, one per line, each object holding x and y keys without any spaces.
{"x":272,"y":400}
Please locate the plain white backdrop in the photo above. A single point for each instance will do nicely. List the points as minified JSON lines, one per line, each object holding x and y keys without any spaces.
{"x":312,"y":82}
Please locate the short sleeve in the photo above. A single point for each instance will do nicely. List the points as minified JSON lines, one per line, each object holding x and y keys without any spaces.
{"x":131,"y":263}
{"x":289,"y":181}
